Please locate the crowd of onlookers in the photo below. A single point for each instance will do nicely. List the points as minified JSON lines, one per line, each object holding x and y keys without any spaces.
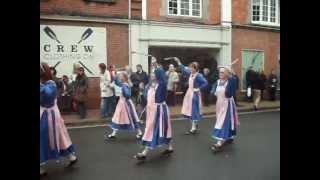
{"x":73,"y":90}
{"x":257,"y":82}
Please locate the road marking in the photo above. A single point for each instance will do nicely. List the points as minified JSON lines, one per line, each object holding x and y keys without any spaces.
{"x":176,"y":119}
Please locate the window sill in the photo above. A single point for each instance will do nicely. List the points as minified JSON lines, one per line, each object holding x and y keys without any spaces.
{"x":183,"y":17}
{"x":265,"y":24}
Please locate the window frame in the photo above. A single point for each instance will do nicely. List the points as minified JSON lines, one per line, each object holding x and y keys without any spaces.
{"x":190,"y":9}
{"x":268,"y":23}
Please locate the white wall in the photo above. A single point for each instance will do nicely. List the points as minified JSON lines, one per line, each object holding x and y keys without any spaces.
{"x":179,"y":35}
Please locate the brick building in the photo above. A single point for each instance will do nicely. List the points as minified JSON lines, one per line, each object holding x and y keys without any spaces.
{"x":256,"y":35}
{"x":209,"y":31}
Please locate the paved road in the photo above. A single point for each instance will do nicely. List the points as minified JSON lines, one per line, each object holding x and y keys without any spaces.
{"x":254,"y":156}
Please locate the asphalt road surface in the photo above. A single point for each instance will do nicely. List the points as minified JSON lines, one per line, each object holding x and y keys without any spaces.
{"x":255,"y":155}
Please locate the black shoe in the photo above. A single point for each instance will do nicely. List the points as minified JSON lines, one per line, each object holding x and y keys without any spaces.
{"x":167,"y":152}
{"x":192,"y":132}
{"x":139,"y":136}
{"x":216,"y":148}
{"x":255,"y":108}
{"x":110,"y":137}
{"x":71,"y":163}
{"x":45,"y":173}
{"x":140,"y":157}
{"x":229,"y":141}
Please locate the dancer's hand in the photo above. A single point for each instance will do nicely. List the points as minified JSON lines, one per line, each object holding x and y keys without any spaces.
{"x":196,"y":89}
{"x":177,"y":60}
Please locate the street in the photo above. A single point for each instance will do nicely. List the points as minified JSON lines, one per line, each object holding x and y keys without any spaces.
{"x":255,"y":155}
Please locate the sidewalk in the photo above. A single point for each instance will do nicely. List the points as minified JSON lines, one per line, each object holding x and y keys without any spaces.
{"x":94,"y":115}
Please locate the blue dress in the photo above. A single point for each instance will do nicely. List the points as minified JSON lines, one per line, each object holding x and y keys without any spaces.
{"x":125,"y":116}
{"x":226,"y":112}
{"x":192,"y":106}
{"x":54,"y":138}
{"x":158,"y":125}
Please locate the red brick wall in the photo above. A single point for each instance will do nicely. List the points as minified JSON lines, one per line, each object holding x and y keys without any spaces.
{"x":117,"y":52}
{"x":268,"y":41}
{"x":83,"y":8}
{"x":153,"y":9}
{"x":240,"y":11}
{"x":212,"y":11}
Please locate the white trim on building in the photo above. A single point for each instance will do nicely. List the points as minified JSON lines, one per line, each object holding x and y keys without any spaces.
{"x":150,"y":34}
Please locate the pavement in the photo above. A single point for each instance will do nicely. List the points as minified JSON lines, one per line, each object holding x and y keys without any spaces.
{"x":255,"y":155}
{"x":93,"y":116}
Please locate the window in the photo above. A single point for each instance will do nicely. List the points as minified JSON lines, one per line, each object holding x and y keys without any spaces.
{"x":184,"y":8}
{"x":266,"y":12}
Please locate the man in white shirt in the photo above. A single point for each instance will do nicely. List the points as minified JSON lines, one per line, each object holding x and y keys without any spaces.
{"x":107,"y":92}
{"x":173,"y":79}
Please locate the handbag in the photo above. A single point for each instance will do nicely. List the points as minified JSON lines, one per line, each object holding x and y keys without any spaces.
{"x":249,"y":92}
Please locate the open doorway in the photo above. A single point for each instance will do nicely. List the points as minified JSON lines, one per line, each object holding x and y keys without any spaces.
{"x":206,"y":57}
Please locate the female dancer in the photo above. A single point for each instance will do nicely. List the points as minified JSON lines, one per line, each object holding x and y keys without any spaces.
{"x":226,"y":112}
{"x":158,"y":125}
{"x":191,"y":107}
{"x":54,"y":138}
{"x":125,"y":116}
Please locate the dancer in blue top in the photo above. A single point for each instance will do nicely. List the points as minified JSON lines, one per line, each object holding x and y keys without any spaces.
{"x":192,"y":105}
{"x":158,"y":125}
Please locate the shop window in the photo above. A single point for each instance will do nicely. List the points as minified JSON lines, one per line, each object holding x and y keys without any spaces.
{"x":190,"y":8}
{"x":265,"y":12}
{"x":254,"y":58}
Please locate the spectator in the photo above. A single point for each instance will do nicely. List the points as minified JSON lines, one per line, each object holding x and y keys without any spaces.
{"x":139,"y":79}
{"x":66,"y":94}
{"x":112,"y":71}
{"x":130,"y":75}
{"x":264,"y":81}
{"x":81,"y":92}
{"x":273,"y":82}
{"x":206,"y":91}
{"x":257,"y":86}
{"x":236,"y":81}
{"x":250,"y":75}
{"x":59,"y":85}
{"x":107,"y":92}
{"x":172,"y":83}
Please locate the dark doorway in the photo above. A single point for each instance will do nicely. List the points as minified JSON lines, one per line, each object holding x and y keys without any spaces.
{"x":206,"y":57}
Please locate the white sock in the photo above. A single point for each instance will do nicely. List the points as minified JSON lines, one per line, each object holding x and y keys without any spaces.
{"x":139,"y":132}
{"x":219,"y":143}
{"x":194,"y":126}
{"x":114,"y":132}
{"x":170,"y":147}
{"x":72,"y":157}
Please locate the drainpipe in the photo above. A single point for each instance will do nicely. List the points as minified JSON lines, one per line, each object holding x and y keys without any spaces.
{"x":129,"y":33}
{"x":129,"y":9}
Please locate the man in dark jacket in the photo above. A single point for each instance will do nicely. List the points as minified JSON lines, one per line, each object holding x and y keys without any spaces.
{"x":139,"y":79}
{"x":250,"y":75}
{"x":273,"y":82}
{"x":264,"y":80}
